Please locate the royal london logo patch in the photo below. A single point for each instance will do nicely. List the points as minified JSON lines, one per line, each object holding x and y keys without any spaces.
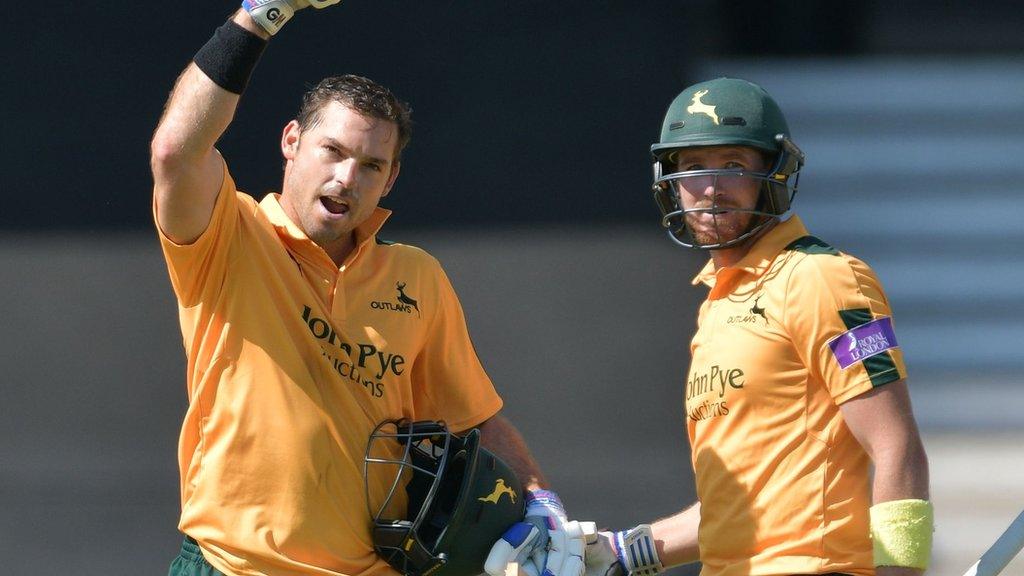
{"x":864,"y":341}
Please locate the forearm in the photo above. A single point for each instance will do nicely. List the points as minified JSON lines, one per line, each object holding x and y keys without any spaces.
{"x":503,"y":439}
{"x":901,"y":472}
{"x":197,"y":114}
{"x":187,"y":171}
{"x":675,"y":537}
{"x":198,"y":111}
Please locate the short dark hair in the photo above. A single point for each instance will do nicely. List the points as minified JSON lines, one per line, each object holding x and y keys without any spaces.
{"x":361,"y":95}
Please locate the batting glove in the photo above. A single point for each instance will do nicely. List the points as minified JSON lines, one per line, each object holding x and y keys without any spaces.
{"x":629,"y":552}
{"x":273,"y":14}
{"x":545,"y":543}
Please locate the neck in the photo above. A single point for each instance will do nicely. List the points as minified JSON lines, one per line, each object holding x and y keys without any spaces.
{"x":340,"y":249}
{"x":730,"y":256}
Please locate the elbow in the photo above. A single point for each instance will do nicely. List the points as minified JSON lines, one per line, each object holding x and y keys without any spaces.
{"x":164,"y":153}
{"x":169,"y":153}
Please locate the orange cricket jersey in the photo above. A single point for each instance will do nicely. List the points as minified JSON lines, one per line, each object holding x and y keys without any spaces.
{"x":786,"y":335}
{"x":292,"y":361}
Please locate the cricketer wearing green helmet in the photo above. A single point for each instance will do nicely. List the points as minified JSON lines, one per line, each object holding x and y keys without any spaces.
{"x":805,"y":452}
{"x":731,"y":113}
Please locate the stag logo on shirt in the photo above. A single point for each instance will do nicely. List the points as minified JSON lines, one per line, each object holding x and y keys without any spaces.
{"x":755,"y":309}
{"x":403,"y":302}
{"x":754,"y":315}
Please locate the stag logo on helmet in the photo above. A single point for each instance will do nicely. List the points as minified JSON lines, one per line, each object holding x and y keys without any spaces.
{"x":439,"y":529}
{"x":499,"y":488}
{"x":698,"y":107}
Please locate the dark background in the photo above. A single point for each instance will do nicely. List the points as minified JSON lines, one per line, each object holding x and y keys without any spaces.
{"x":528,"y":176}
{"x":526,"y":111}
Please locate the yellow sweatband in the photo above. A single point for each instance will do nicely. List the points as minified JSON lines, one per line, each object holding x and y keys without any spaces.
{"x":901,"y":533}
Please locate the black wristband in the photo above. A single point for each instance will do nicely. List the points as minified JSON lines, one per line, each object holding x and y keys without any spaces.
{"x":230,"y":56}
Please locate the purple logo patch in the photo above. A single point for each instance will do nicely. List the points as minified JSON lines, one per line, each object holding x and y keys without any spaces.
{"x":862,"y":342}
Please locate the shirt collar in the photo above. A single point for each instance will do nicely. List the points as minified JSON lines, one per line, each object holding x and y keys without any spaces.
{"x":762,"y":253}
{"x":290,"y":232}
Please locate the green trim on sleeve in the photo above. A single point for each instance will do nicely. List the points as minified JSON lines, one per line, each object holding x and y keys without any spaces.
{"x":881,"y":368}
{"x":812,"y":245}
{"x":853,"y":317}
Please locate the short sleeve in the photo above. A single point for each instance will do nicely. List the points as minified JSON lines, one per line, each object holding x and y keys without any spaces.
{"x":449,"y":383}
{"x":203,"y":263}
{"x":841,"y":325}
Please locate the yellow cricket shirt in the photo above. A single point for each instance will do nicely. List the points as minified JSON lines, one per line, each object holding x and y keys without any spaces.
{"x":785,"y":336}
{"x":292,"y":361}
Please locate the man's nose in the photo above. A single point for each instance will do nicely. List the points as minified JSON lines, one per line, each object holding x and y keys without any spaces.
{"x":708,"y":186}
{"x":345,"y":171}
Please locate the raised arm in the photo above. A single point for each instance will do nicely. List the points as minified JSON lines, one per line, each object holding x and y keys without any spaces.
{"x":187,"y":171}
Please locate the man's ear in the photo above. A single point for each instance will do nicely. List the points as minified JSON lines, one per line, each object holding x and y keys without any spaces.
{"x":290,"y":140}
{"x":395,"y":169}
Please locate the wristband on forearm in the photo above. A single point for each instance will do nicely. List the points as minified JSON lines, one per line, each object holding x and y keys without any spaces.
{"x":229,"y":56}
{"x":901,"y":533}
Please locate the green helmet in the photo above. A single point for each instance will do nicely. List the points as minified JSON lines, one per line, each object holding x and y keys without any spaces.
{"x":461,"y":498}
{"x":725,"y":112}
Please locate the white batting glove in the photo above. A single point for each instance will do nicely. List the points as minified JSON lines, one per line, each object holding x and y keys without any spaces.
{"x":629,"y":552}
{"x":545,"y":543}
{"x":273,"y":14}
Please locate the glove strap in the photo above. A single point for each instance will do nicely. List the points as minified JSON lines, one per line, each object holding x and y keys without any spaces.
{"x":544,"y":500}
{"x":543,"y":497}
{"x":636,"y":551}
{"x":270,"y":14}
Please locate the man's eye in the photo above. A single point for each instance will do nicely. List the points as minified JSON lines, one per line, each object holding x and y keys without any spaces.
{"x":689,"y":167}
{"x":374,"y":167}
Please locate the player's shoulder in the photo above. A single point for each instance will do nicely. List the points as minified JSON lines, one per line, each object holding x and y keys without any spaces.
{"x":811,"y":246}
{"x":811,"y":256}
{"x":246,"y":203}
{"x":405,"y":253}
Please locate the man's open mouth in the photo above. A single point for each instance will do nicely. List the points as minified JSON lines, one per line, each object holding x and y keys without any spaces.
{"x":333,"y":205}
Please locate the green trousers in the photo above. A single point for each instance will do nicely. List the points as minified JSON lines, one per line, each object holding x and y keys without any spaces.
{"x":190,"y":562}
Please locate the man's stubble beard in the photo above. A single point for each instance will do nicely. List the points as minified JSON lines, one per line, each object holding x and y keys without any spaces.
{"x":721,"y":231}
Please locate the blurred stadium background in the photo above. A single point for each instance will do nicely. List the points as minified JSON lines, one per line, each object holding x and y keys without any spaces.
{"x":528,"y":178}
